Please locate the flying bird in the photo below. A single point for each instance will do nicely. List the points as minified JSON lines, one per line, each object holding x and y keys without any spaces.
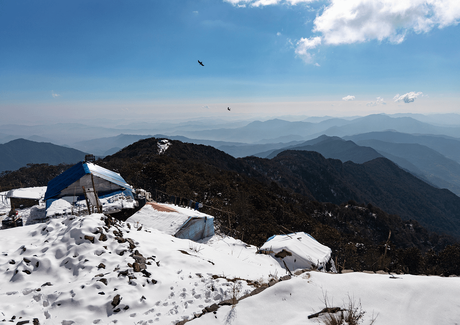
{"x":228,"y":108}
{"x":201,"y":63}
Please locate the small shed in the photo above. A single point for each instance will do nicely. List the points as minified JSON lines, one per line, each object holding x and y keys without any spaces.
{"x":175,"y":221}
{"x":84,"y":174}
{"x":297,"y":251}
{"x":24,"y":197}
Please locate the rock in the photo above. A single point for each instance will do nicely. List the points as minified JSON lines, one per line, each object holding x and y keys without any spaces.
{"x":46,"y":284}
{"x":116,"y":301}
{"x":146,"y":273}
{"x":124,"y":273}
{"x":137,"y":267}
{"x":103,"y":237}
{"x":119,"y":239}
{"x":228,"y":302}
{"x":90,"y":238}
{"x":103,"y":280}
{"x":101,"y":266}
{"x":23,"y":322}
{"x":26,"y":271}
{"x":286,"y":277}
{"x":36,"y":322}
{"x":272,"y":282}
{"x":26,"y":260}
{"x":329,"y":310}
{"x":131,"y":243}
{"x":182,"y":322}
{"x":12,"y":262}
{"x":211,"y":308}
{"x":140,"y":259}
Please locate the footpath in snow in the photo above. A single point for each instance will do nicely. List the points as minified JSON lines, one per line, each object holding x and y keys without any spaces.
{"x":96,"y":270}
{"x":89,"y":270}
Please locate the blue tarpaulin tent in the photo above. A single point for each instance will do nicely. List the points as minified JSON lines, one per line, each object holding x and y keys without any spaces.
{"x":83,"y":174}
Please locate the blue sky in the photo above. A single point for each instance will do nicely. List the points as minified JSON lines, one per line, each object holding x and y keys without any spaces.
{"x":137,"y":60}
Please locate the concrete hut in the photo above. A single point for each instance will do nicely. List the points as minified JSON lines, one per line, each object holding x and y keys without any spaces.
{"x":176,"y":221}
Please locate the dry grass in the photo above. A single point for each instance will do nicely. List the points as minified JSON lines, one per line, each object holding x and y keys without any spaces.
{"x":350,"y":314}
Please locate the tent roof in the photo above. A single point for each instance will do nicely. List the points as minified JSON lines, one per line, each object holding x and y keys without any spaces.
{"x":74,"y":173}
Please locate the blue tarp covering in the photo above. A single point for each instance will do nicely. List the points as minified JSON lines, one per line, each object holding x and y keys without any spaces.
{"x":76,"y":172}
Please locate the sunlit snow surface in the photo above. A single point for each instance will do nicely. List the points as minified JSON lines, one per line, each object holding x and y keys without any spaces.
{"x":52,"y":272}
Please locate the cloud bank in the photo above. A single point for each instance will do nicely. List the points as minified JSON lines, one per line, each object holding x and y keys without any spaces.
{"x":348,"y":98}
{"x":358,"y":21}
{"x":379,"y":101}
{"x":259,"y":3}
{"x":354,"y":21}
{"x":407,"y":98}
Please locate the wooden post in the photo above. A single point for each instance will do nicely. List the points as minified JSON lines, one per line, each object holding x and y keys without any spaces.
{"x":386,"y":247}
{"x":86,"y":198}
{"x":99,"y":208}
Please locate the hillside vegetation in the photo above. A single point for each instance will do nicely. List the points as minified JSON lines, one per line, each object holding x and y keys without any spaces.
{"x":251,"y":202}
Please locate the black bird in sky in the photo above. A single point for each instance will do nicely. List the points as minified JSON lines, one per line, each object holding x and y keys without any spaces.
{"x":201,"y":63}
{"x":228,"y":108}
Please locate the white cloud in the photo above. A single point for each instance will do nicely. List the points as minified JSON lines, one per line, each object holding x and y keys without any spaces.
{"x":54,"y":94}
{"x":352,"y":21}
{"x":407,"y":98}
{"x":348,"y":98}
{"x":259,"y":3}
{"x":317,"y":64}
{"x":379,"y":101}
{"x":357,"y":21}
{"x":206,"y":106}
{"x":195,"y":12}
{"x":278,"y":34}
{"x":305,"y":45}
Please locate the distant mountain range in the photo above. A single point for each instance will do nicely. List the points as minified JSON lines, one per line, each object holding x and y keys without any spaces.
{"x":20,"y":152}
{"x":271,"y":130}
{"x":238,"y":138}
{"x":422,"y":161}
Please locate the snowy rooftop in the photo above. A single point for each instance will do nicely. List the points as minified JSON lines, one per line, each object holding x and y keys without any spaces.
{"x":35,"y":193}
{"x":168,"y":222}
{"x":302,"y":246}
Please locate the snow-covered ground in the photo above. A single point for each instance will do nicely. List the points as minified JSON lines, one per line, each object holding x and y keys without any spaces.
{"x":84,"y":270}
